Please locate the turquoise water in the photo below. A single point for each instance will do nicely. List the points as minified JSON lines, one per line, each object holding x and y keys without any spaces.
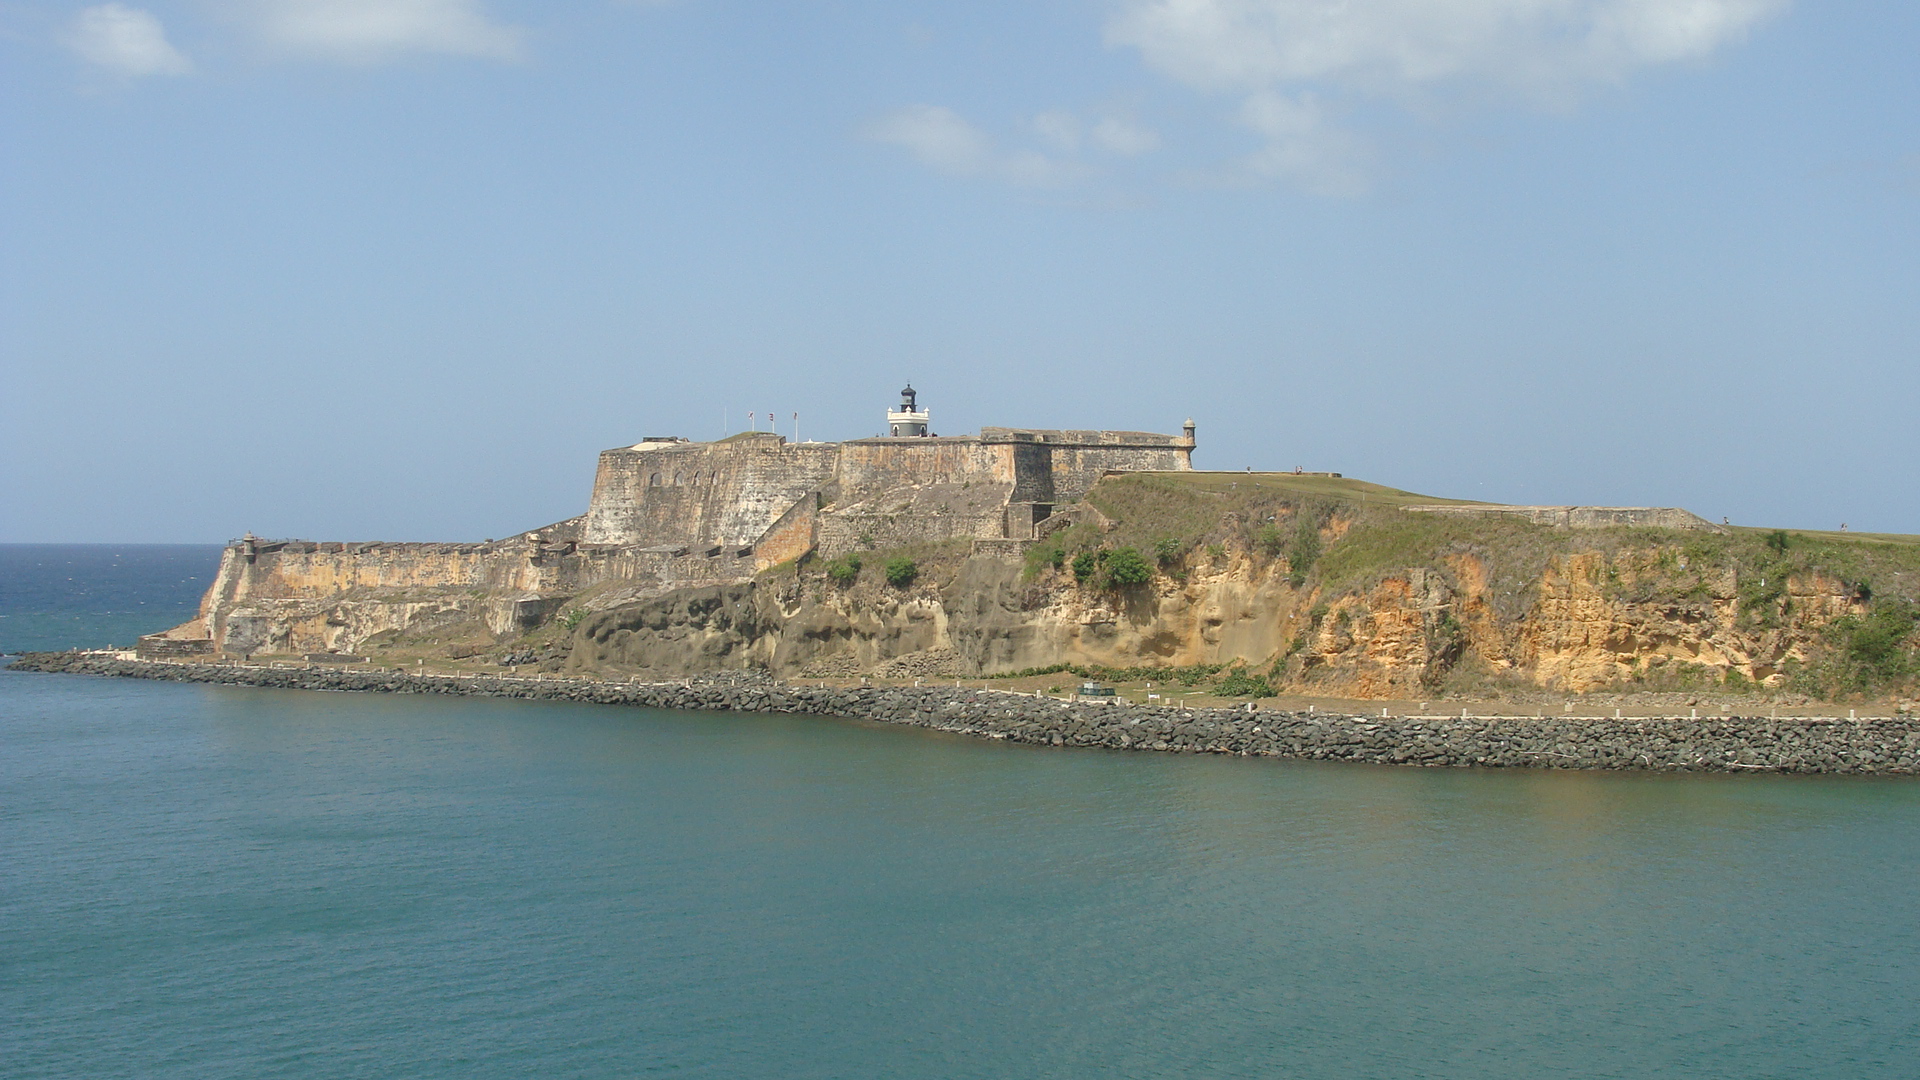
{"x":90,"y":596}
{"x":207,"y":882}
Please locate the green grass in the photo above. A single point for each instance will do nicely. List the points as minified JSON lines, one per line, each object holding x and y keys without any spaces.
{"x":1219,"y":511}
{"x":1365,"y":537}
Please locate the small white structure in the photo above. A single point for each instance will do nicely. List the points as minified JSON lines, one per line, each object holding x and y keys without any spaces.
{"x":906,"y":420}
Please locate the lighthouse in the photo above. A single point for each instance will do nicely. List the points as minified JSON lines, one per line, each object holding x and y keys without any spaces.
{"x":907,"y":420}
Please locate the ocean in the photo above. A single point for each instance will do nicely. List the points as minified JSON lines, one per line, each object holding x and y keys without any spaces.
{"x":205,"y":881}
{"x":90,"y":596}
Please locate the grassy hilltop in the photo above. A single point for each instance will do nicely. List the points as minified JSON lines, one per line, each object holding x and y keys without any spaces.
{"x":1336,"y":541}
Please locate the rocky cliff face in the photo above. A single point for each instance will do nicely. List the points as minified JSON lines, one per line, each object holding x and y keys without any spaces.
{"x":1313,"y":591}
{"x":1404,"y":637}
{"x":1594,"y":621}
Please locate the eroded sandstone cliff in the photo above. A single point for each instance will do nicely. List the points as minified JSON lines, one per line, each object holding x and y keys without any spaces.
{"x":1321,"y":587}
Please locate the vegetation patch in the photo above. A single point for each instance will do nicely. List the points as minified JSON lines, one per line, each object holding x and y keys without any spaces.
{"x":1864,"y":653}
{"x":1237,"y":682}
{"x":1126,"y":566}
{"x":901,"y":571}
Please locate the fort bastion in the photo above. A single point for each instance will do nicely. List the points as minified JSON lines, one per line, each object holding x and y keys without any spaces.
{"x":668,"y":513}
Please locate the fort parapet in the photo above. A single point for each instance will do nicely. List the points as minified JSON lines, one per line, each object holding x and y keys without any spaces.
{"x":758,"y":490}
{"x":668,"y":513}
{"x":1579,"y":517}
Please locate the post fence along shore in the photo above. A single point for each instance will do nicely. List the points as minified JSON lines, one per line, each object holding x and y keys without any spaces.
{"x":1837,"y":745}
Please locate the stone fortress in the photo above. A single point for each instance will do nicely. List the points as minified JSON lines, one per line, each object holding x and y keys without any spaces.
{"x":668,"y":513}
{"x":780,"y":500}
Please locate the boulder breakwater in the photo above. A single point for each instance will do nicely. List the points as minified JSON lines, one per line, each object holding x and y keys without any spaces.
{"x":1879,"y":745}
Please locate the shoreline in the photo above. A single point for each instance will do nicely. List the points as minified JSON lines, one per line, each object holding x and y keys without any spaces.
{"x":1845,"y":746}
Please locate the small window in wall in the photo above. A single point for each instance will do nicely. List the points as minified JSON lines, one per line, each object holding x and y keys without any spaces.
{"x":654,"y":481}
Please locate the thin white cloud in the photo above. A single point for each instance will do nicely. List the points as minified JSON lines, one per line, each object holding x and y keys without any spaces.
{"x":1276,"y":53}
{"x":126,"y":41}
{"x":370,"y":31}
{"x":1060,"y":128}
{"x":1528,"y":46}
{"x":944,"y":140}
{"x":1112,"y":133}
{"x":1121,"y":135}
{"x":1302,"y":147}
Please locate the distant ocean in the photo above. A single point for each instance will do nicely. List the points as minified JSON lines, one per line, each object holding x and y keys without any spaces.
{"x":89,"y":596}
{"x":203,"y":882}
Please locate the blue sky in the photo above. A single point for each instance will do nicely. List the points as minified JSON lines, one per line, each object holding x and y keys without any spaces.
{"x":364,"y":269}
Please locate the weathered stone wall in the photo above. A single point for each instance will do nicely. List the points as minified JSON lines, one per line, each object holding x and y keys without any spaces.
{"x":302,"y":596}
{"x":1582,"y":517}
{"x":667,"y":514}
{"x":733,"y":492}
{"x":1077,"y":468}
{"x":1032,"y":474}
{"x":702,"y":493}
{"x":916,"y":515}
{"x":1075,"y":460}
{"x":792,"y":536}
{"x":870,"y":467}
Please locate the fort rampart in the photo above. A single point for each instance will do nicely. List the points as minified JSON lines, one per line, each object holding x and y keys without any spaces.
{"x":1579,"y":517}
{"x":666,"y":513}
{"x":995,"y":485}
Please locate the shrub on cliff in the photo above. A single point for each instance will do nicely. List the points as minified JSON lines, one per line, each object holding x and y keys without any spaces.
{"x":1126,"y":566}
{"x":844,"y":570}
{"x":1044,"y":555}
{"x":1870,"y":651}
{"x":1084,"y":566}
{"x":1304,"y":553}
{"x":901,"y":572}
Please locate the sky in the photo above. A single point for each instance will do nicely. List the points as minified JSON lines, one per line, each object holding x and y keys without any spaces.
{"x":399,"y":269}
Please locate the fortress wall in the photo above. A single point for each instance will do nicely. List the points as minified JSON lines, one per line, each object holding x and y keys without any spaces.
{"x":305,"y":596}
{"x":732,"y":492}
{"x":309,"y":571}
{"x":927,"y":513}
{"x":667,"y":567}
{"x":1033,"y":474}
{"x":263,"y":577}
{"x":1077,"y":468}
{"x":304,"y":569}
{"x":1581,"y":517}
{"x":872,"y":466}
{"x":844,"y":532}
{"x":790,"y":537}
{"x":666,"y":515}
{"x":702,"y":493}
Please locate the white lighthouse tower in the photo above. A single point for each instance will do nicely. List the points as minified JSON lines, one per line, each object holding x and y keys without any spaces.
{"x":907,"y":420}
